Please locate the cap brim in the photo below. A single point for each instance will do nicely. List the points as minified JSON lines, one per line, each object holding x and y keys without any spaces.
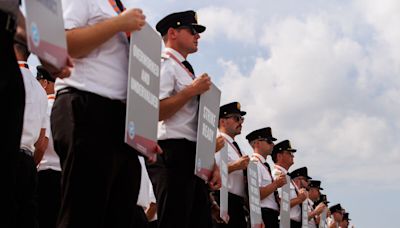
{"x":316,"y":187}
{"x":199,"y":28}
{"x":291,"y":150}
{"x":242,"y":113}
{"x":272,"y":139}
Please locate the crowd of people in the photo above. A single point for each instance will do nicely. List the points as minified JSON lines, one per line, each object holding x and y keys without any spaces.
{"x":66,"y":162}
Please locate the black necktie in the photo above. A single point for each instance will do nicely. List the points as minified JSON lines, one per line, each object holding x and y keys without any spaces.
{"x":120,"y":5}
{"x":297,"y":193}
{"x":276,"y":194}
{"x":246,"y":188}
{"x":121,"y":9}
{"x":237,"y":147}
{"x":188,"y":66}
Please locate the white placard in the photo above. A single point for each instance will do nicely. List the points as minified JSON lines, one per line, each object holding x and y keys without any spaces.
{"x":143,"y":88}
{"x":206,"y":132}
{"x":45,"y":31}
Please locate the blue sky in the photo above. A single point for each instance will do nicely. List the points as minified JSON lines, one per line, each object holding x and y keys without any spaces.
{"x":324,"y":74}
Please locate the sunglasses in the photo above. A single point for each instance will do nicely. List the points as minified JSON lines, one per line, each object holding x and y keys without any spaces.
{"x":267,"y":140}
{"x":288,"y":152}
{"x":236,"y":118}
{"x":190,"y":28}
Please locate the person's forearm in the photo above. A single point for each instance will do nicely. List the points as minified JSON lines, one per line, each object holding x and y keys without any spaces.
{"x":40,"y":146}
{"x":81,"y":41}
{"x":295,"y":201}
{"x":267,"y":190}
{"x":233,"y":167}
{"x":169,"y":106}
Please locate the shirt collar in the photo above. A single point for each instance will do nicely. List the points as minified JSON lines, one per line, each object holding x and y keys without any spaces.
{"x":175,"y":53}
{"x":260,"y":157}
{"x":227,"y":137}
{"x":281,"y":169}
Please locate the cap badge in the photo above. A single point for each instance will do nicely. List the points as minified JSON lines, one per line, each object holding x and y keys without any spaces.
{"x":238,"y":106}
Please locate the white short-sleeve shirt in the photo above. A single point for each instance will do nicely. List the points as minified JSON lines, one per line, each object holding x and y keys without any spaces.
{"x":173,"y":79}
{"x":264,"y":179}
{"x":35,"y":116}
{"x":50,"y":158}
{"x":311,"y":222}
{"x":236,"y":184}
{"x":104,"y":71}
{"x":295,"y":212}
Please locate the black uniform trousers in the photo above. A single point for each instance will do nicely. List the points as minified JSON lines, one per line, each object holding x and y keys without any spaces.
{"x":270,"y":217}
{"x":26,"y":191}
{"x":236,"y":212}
{"x":49,"y":197}
{"x":100,"y":173}
{"x":12,"y":99}
{"x":295,"y":224}
{"x":182,"y":197}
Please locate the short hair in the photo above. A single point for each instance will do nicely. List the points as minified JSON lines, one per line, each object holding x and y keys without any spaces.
{"x":274,"y":157}
{"x":252,"y":143}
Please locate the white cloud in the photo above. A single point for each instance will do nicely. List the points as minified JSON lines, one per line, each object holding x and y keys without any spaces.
{"x":227,"y":24}
{"x":333,"y":94}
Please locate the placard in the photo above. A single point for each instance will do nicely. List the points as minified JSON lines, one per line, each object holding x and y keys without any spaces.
{"x":206,"y":132}
{"x":322,"y":221}
{"x":142,"y":111}
{"x":285,"y":204}
{"x":304,"y":213}
{"x":45,"y":31}
{"x":223,"y":167}
{"x":254,"y":195}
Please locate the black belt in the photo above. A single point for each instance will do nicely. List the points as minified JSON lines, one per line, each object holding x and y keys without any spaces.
{"x":66,"y":90}
{"x":27,"y":152}
{"x":267,"y":210}
{"x":294,"y":223}
{"x":8,"y":21}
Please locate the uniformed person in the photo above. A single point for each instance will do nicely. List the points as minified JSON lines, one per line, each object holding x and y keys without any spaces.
{"x":101,"y":173}
{"x":336,"y":216}
{"x":262,"y":142}
{"x":282,"y":156}
{"x":230,"y":125}
{"x":315,"y":209}
{"x":182,"y":197}
{"x":12,"y":95}
{"x":49,"y":169}
{"x":302,"y":180}
{"x":345,"y":221}
{"x":322,"y":199}
{"x":33,"y":141}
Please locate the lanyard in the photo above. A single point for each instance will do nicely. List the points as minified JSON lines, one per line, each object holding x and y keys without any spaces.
{"x":169,"y":54}
{"x":114,"y":5}
{"x":272,"y":179}
{"x":276,"y":196}
{"x":226,"y":140}
{"x":23,"y":65}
